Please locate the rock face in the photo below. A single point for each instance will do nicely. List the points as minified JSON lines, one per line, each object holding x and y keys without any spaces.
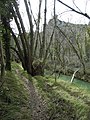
{"x":70,"y":41}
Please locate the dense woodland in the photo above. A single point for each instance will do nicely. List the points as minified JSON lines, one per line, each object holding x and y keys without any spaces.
{"x":41,"y":69}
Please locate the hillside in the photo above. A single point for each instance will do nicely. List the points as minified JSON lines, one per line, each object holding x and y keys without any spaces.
{"x":14,"y":100}
{"x":46,"y":100}
{"x":70,"y":46}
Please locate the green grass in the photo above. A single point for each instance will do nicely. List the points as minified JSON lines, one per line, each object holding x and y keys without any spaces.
{"x":65,"y":100}
{"x":14,"y":97}
{"x":79,"y":83}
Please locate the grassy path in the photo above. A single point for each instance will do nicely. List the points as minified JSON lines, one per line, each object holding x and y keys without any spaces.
{"x":37,"y":105}
{"x":39,"y":98}
{"x":57,"y":101}
{"x":65,"y":101}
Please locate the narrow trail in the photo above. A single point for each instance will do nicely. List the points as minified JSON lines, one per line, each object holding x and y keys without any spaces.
{"x":62,"y":108}
{"x":37,"y":105}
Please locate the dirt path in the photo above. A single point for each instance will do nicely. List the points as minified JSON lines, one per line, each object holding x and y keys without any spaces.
{"x":37,"y":105}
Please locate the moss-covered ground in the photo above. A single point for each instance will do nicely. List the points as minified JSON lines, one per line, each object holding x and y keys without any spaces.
{"x":65,"y":101}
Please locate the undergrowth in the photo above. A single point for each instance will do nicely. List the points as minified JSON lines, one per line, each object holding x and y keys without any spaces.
{"x":14,"y":98}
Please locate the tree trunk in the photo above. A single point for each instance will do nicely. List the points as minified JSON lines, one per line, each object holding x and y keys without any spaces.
{"x":31,"y":48}
{"x":37,"y":28}
{"x":6,"y":37}
{"x":2,"y":60}
{"x":42,"y":49}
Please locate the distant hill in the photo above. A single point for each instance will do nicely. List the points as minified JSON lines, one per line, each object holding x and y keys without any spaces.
{"x":73,"y":31}
{"x":72,"y":43}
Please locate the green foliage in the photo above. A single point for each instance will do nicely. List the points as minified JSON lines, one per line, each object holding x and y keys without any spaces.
{"x":4,"y":6}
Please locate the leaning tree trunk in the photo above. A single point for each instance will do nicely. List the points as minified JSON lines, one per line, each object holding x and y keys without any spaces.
{"x":37,"y":28}
{"x":18,"y":51}
{"x":31,"y":27}
{"x":42,"y":48}
{"x":25,"y":43}
{"x":31,"y":42}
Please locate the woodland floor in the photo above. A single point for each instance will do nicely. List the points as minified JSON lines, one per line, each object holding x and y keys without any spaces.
{"x":39,"y":106}
{"x":47,"y":100}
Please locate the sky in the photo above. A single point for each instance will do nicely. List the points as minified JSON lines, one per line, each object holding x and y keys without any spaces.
{"x":64,"y":13}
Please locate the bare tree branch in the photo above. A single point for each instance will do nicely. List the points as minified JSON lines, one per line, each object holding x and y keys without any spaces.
{"x":76,"y":5}
{"x":81,"y":13}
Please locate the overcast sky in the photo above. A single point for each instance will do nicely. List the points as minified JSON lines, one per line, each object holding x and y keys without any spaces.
{"x":83,"y":5}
